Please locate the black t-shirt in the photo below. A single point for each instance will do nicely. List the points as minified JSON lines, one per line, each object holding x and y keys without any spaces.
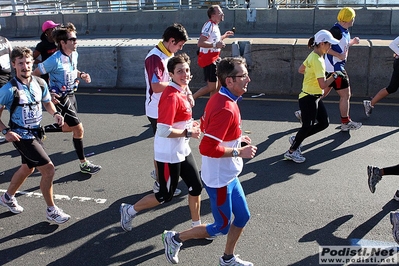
{"x":45,"y":48}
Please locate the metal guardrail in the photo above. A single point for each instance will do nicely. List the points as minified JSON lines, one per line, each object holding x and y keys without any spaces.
{"x":36,"y":7}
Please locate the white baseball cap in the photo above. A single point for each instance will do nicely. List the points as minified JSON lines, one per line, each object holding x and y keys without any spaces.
{"x":324,"y":36}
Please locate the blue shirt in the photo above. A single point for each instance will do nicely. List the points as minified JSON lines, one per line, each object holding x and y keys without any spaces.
{"x":28,"y":116}
{"x":63,"y":72}
{"x":332,"y":62}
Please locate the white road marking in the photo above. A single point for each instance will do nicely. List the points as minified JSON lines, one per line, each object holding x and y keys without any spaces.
{"x":59,"y":197}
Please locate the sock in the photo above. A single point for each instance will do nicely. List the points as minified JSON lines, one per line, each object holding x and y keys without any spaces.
{"x":345,"y":120}
{"x":176,"y":238}
{"x":227,"y":257}
{"x":195,"y":223}
{"x":78,"y":144}
{"x":131,"y":211}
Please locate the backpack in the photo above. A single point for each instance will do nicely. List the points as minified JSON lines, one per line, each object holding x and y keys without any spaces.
{"x":39,"y":131}
{"x":15,"y":102}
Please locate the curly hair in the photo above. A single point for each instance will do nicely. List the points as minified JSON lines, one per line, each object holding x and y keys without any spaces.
{"x":60,"y":33}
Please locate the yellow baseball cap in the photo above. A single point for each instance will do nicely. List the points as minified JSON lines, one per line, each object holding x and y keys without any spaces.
{"x":346,"y":14}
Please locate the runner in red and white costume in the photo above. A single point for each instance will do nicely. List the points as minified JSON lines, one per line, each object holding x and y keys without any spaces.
{"x":172,"y":151}
{"x":210,"y":44}
{"x":222,"y":162}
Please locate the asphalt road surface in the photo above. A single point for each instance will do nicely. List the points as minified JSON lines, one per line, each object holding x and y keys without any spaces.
{"x":295,"y":208}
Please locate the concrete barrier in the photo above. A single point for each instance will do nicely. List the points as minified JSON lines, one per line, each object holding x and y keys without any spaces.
{"x":378,"y":72}
{"x":369,"y":21}
{"x":119,"y":64}
{"x":395,"y":22}
{"x":299,"y":21}
{"x":375,"y":21}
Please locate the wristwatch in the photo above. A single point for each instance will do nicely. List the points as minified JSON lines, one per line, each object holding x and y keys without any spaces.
{"x":188,"y":133}
{"x":5,"y":131}
{"x":235,"y":152}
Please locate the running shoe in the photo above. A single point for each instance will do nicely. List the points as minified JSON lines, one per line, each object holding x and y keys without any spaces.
{"x":295,"y":156}
{"x":155,"y":189}
{"x":394,"y":217}
{"x":374,"y":177}
{"x":2,"y":139}
{"x":368,"y":109}
{"x":298,"y":115}
{"x":236,"y":261}
{"x":291,"y":139}
{"x":177,"y":192}
{"x":89,"y":168}
{"x":396,"y":196}
{"x":57,"y":215}
{"x":11,"y":204}
{"x":171,"y":247}
{"x":351,"y":125}
{"x":126,"y":218}
{"x":153,"y":175}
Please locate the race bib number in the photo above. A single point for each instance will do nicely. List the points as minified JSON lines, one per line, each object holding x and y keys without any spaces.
{"x":31,"y":115}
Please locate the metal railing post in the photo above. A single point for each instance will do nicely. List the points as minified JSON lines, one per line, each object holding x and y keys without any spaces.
{"x":14,"y":7}
{"x":26,"y":7}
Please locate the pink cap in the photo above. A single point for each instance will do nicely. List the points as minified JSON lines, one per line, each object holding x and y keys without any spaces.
{"x":49,"y":24}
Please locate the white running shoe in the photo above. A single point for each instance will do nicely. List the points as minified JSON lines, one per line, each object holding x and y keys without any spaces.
{"x":12,"y":204}
{"x":171,"y":247}
{"x":295,"y":156}
{"x":396,"y":196}
{"x":234,"y":261}
{"x":126,"y":218}
{"x":298,"y":115}
{"x":177,"y":192}
{"x":153,"y":175}
{"x":155,"y":189}
{"x":57,"y":215}
{"x":2,"y":139}
{"x":351,"y":125}
{"x":374,"y":177}
{"x":394,"y":218}
{"x":368,"y":109}
{"x":291,"y":140}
